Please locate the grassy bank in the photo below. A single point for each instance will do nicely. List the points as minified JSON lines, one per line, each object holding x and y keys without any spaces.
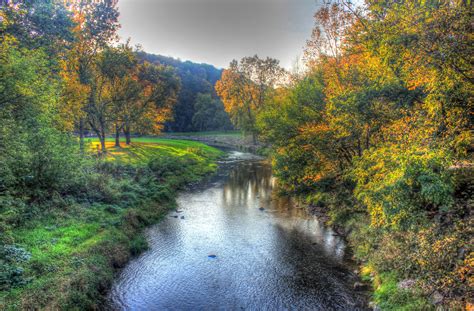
{"x":66,"y":256}
{"x":237,"y":134}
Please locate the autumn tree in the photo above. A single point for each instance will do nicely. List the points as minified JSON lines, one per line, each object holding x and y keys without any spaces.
{"x":328,"y":36}
{"x":125,"y":94}
{"x":119,"y":68}
{"x":158,"y":87}
{"x":95,"y":26}
{"x":245,"y":87}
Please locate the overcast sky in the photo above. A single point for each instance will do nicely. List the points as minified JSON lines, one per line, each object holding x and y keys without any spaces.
{"x":217,"y":31}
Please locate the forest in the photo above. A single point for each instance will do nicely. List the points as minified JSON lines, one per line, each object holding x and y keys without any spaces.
{"x":191,"y":111}
{"x":374,"y":130}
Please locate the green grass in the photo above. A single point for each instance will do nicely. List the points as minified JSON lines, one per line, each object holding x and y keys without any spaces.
{"x":76,"y":247}
{"x":388,"y":296}
{"x":208,"y":133}
{"x":145,"y":148}
{"x":172,"y":142}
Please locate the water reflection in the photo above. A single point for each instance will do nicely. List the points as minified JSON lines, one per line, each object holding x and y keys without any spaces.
{"x":276,"y":258}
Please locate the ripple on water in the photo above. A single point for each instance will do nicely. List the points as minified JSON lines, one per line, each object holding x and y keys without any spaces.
{"x":278,"y":258}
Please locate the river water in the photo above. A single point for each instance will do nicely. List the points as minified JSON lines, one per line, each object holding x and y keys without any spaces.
{"x":233,"y":244}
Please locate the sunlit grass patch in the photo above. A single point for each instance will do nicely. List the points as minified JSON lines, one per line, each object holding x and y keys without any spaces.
{"x":144,"y":148}
{"x":209,"y":133}
{"x":389,"y":296}
{"x":54,"y":242}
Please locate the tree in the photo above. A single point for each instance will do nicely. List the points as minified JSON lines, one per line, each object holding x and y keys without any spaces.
{"x":45,"y":24}
{"x":429,"y":50}
{"x":119,"y":67}
{"x":195,"y":79}
{"x":158,"y":90}
{"x":95,"y":26}
{"x":244,"y":87}
{"x":37,"y":158}
{"x":329,"y":32}
{"x":210,"y":114}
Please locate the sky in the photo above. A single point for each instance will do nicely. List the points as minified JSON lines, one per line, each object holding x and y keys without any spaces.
{"x":217,"y":31}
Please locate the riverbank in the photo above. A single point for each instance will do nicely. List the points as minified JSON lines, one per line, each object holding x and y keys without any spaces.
{"x":411,"y":270}
{"x":66,"y":256}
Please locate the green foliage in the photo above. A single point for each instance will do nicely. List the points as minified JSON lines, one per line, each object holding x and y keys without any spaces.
{"x":283,"y":116}
{"x":195,"y":79}
{"x":11,"y":274}
{"x":138,"y":245}
{"x":210,"y":114}
{"x":51,"y":21}
{"x":36,"y":158}
{"x":400,"y":185}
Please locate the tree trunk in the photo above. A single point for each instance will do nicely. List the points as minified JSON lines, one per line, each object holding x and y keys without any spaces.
{"x":81,"y":134}
{"x":126,"y":131}
{"x":367,"y":138}
{"x":102,"y":137}
{"x":254,"y":138}
{"x":102,"y":143}
{"x":117,"y":136}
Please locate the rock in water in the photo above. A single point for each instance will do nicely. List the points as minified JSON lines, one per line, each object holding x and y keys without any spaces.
{"x":373,"y":306}
{"x":436,"y":298}
{"x":212,"y":256}
{"x":261,"y":208}
{"x":360,"y":286}
{"x":406,"y":284}
{"x":182,"y":217}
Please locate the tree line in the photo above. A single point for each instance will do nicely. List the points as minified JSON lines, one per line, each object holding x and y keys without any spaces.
{"x":197,"y":107}
{"x":377,"y":132}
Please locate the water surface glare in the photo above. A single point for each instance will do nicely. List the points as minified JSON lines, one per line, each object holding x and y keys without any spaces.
{"x":234,"y":245}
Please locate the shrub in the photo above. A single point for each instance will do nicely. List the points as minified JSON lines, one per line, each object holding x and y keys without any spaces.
{"x":11,"y":273}
{"x":399,"y":187}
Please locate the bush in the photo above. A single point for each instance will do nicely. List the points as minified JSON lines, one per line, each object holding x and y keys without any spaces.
{"x":400,"y":187}
{"x":11,"y":273}
{"x":37,"y":158}
{"x":439,"y":259}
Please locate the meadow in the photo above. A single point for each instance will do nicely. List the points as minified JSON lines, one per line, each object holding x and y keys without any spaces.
{"x":236,"y":133}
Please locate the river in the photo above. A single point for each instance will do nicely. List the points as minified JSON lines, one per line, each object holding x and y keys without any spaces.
{"x":233,"y":244}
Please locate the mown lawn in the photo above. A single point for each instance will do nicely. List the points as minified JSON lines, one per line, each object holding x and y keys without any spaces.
{"x":143,"y":149}
{"x":77,"y":245}
{"x":209,"y":133}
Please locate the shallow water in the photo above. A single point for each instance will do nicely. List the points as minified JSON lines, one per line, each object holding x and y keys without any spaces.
{"x":229,"y":254}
